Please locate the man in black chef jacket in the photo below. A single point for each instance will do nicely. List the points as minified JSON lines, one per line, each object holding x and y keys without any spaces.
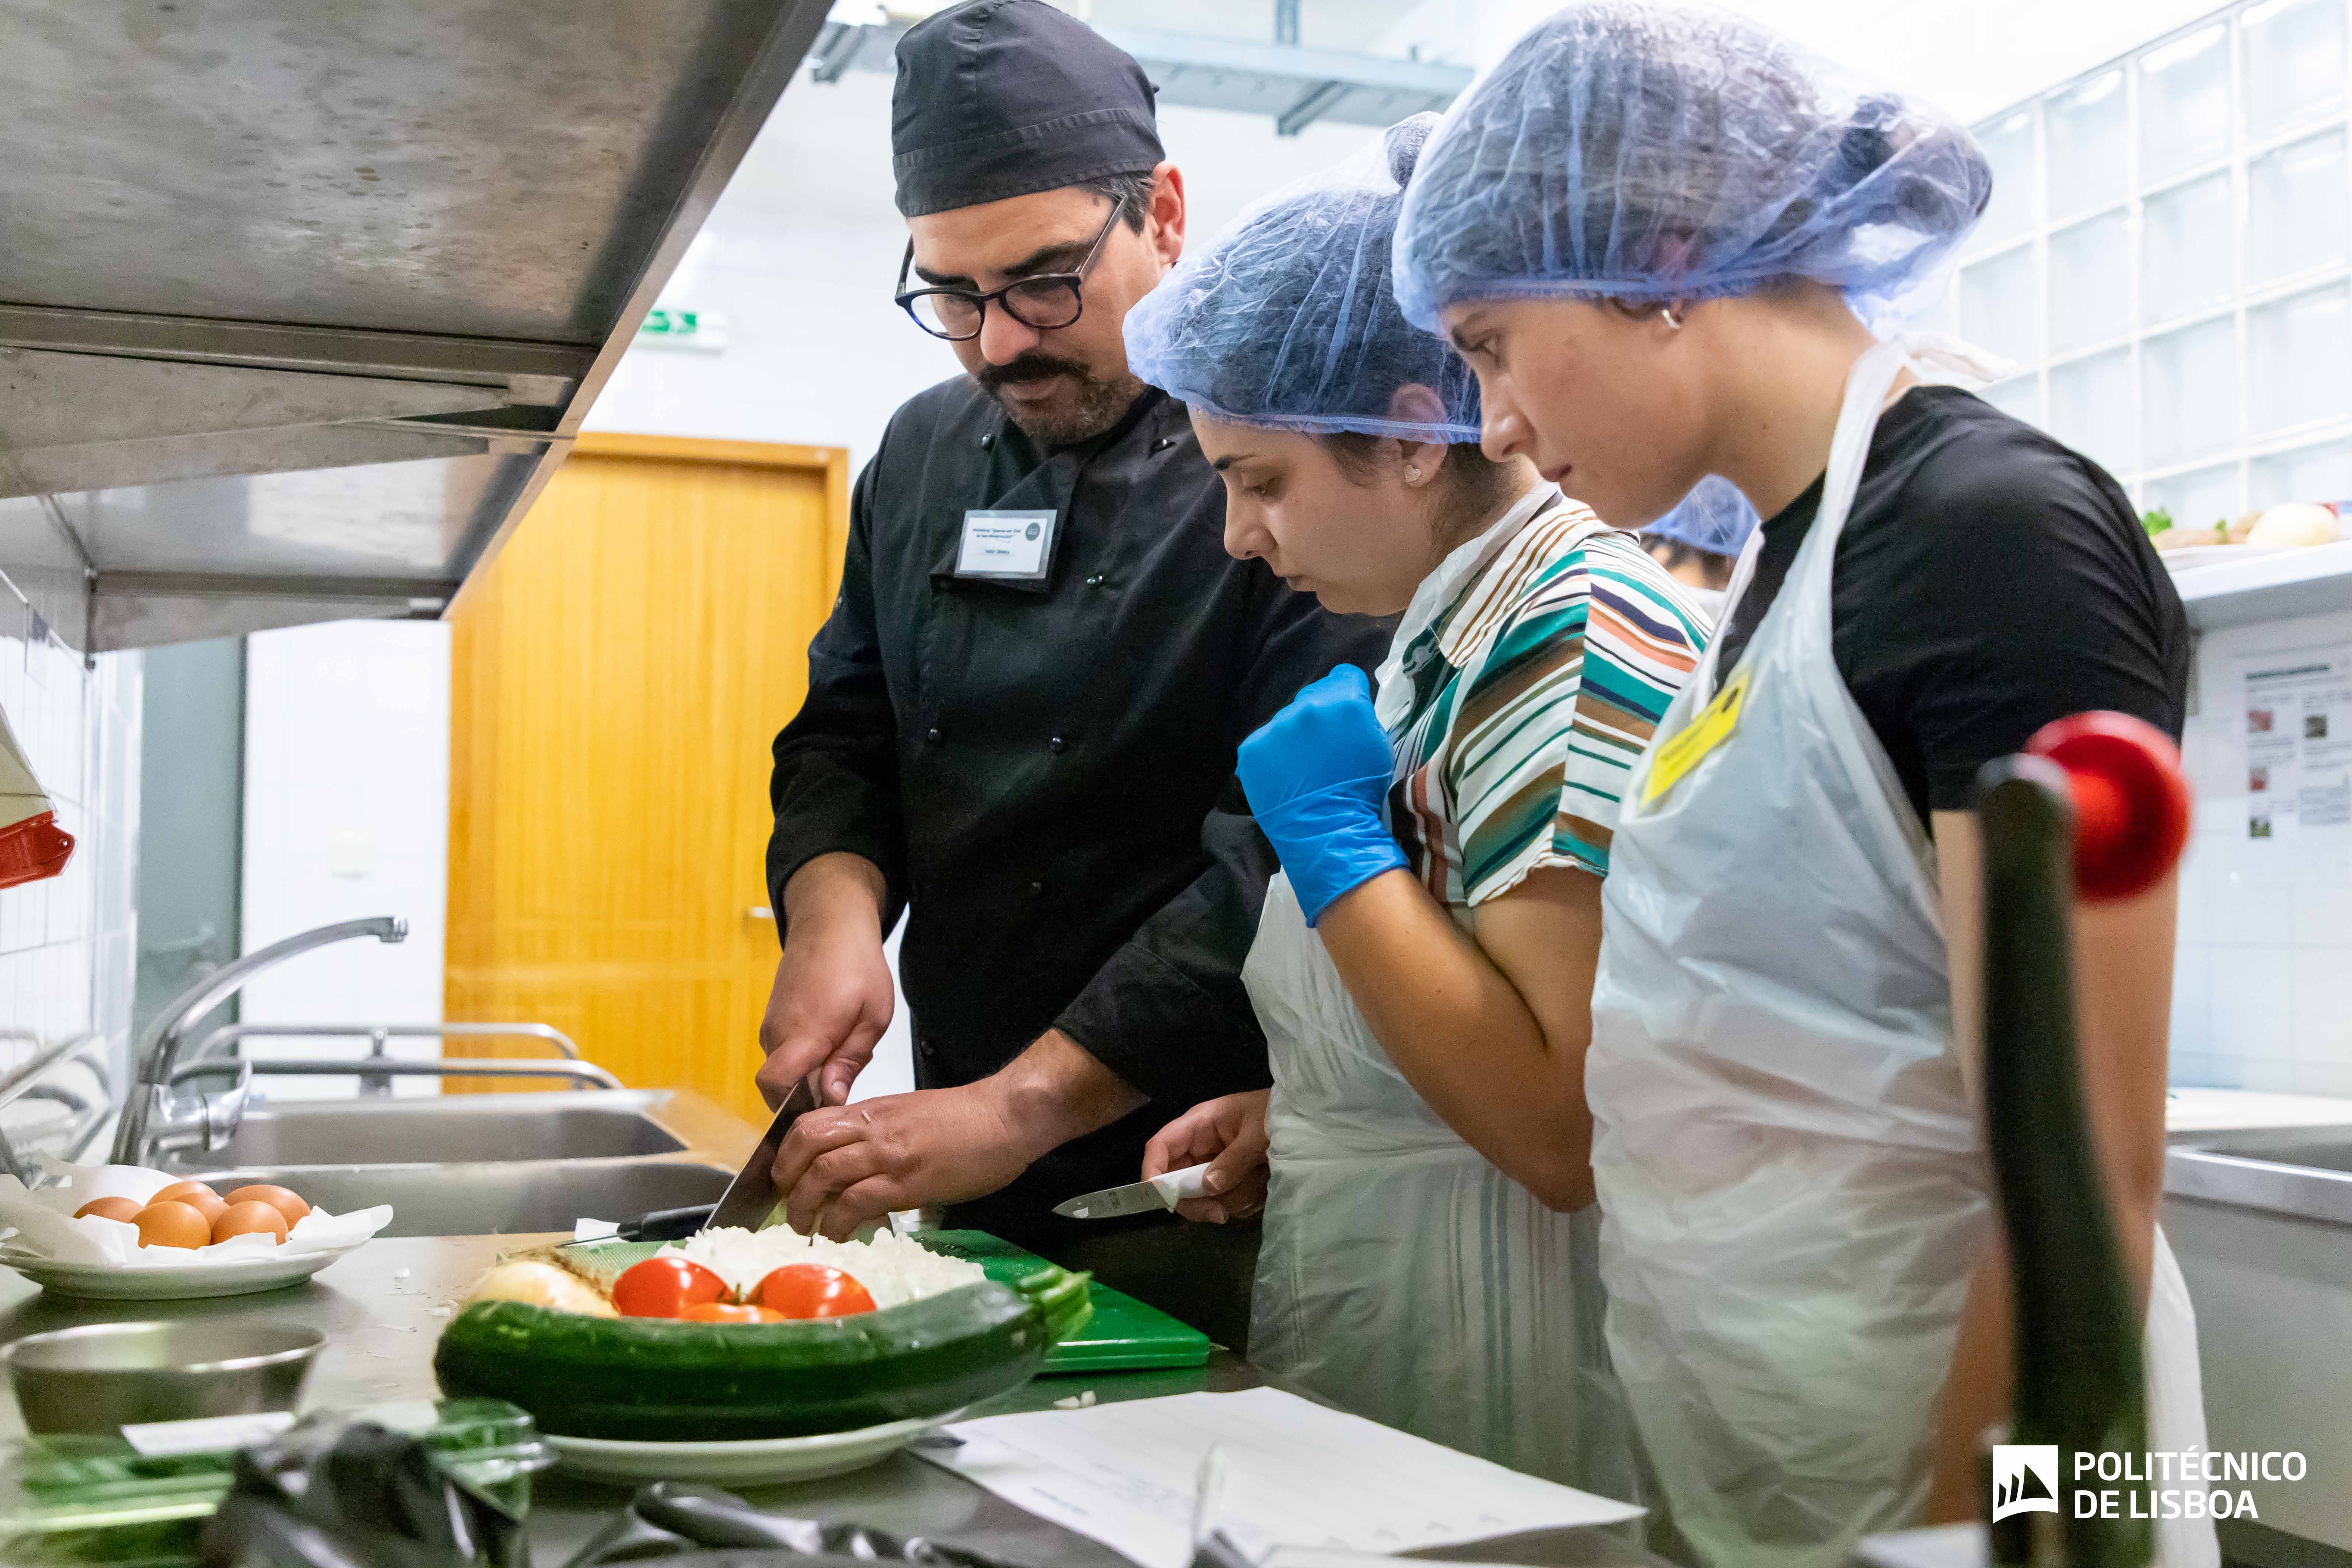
{"x":1022,"y":712}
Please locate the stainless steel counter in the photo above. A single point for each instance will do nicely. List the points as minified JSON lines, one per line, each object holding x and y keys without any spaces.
{"x":384,"y":1306}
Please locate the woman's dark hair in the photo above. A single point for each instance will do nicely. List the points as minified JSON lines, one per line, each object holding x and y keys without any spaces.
{"x":1675,"y":553}
{"x":1476,"y":485}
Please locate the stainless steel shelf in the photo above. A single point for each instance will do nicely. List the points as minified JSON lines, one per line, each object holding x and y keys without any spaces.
{"x":306,"y":299}
{"x":2307,"y":582}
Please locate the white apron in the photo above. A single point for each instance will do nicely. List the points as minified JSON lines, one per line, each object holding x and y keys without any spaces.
{"x":1401,"y":1276}
{"x":1785,"y":1151}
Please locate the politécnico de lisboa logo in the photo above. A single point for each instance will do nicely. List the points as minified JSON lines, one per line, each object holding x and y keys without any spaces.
{"x":2025,"y":1479}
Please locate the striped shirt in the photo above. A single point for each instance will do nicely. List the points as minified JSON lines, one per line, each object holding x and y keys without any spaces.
{"x":1533,"y":692}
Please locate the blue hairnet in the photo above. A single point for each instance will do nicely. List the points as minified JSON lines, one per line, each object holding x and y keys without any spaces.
{"x":1714,"y":517}
{"x":1287,"y":319}
{"x":1647,"y":153}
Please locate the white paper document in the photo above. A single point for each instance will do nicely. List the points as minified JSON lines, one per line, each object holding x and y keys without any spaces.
{"x":1126,"y":1474}
{"x":2298,"y":743}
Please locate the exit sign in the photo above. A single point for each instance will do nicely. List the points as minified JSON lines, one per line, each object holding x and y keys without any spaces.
{"x":671,"y":326}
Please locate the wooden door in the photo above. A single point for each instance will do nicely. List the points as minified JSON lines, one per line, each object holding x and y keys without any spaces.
{"x":619,"y":671}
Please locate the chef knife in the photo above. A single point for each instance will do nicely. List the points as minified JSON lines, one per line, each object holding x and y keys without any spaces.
{"x":751,"y":1196}
{"x":1158,"y":1195}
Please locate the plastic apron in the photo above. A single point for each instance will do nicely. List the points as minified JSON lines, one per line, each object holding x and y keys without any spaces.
{"x":1784,"y":1147}
{"x":1401,"y":1276}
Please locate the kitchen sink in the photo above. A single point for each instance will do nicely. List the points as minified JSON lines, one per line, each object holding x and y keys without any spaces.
{"x":2301,"y":1171}
{"x":478,"y":1198}
{"x":2262,"y":1224}
{"x":559,"y":1125}
{"x":477,"y":1164}
{"x":2331,"y":1151}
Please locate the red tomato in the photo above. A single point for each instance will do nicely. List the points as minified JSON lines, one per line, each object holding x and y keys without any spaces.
{"x":812,"y":1291}
{"x":729,"y":1312}
{"x":665,"y":1287}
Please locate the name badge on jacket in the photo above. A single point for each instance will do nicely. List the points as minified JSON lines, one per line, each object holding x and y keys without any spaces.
{"x":1006,"y":546}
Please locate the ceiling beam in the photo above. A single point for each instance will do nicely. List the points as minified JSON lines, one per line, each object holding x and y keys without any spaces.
{"x":1309,"y":107}
{"x":1297,"y":84}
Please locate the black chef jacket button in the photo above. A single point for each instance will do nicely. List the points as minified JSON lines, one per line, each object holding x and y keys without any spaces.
{"x":986,"y":442}
{"x":932,"y":736}
{"x":1035,"y":888}
{"x":1096,"y":581}
{"x":1057,"y":745}
{"x":1164,"y":443}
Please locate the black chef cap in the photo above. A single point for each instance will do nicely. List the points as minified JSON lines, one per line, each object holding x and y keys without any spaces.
{"x":1002,"y":98}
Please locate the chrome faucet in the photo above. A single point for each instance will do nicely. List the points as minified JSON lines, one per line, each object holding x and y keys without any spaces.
{"x":158,"y":1047}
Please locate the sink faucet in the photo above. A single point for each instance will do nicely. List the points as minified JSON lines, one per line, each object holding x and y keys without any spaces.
{"x":158,"y":1047}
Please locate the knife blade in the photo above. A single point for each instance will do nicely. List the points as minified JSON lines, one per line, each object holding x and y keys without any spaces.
{"x":1160,"y":1193}
{"x":751,"y":1196}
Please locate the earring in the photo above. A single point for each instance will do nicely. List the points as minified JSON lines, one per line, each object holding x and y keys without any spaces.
{"x":1674,"y":317}
{"x":1411,"y":471}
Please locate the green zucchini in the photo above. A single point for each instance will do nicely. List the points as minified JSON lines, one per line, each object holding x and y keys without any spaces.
{"x":2080,"y":1383}
{"x":660,"y":1380}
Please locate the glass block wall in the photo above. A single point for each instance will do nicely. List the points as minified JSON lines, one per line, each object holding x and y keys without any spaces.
{"x":2169,"y":252}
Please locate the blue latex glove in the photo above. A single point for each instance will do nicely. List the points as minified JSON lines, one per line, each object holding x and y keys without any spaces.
{"x":1316,"y":777}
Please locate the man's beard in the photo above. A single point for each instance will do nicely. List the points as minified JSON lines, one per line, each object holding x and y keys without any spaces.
{"x":1097,"y":405}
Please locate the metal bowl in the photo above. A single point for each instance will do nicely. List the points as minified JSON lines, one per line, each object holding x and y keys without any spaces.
{"x":106,"y":1376}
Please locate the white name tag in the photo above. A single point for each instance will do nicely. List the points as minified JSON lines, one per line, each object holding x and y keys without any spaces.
{"x":1012,"y":546}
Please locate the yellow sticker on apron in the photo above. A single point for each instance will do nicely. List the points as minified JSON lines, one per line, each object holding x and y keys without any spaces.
{"x":1703,"y":734}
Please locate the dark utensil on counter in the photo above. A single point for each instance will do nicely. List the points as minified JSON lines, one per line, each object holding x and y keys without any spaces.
{"x":104,"y":1376}
{"x":671,"y":1520}
{"x":2098,"y":808}
{"x":664,"y":1224}
{"x":333,"y":1492}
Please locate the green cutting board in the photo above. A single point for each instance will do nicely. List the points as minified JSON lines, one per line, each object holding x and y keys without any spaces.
{"x":1123,"y":1334}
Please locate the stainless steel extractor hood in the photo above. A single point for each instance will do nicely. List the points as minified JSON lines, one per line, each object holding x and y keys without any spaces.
{"x":302,"y":301}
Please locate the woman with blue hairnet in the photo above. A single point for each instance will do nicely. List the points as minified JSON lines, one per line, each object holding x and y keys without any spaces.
{"x":1698,"y":541}
{"x":1423,"y":965}
{"x":1662,"y":239}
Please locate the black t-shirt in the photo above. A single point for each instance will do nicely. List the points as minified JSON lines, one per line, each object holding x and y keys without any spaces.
{"x":1989,"y":581}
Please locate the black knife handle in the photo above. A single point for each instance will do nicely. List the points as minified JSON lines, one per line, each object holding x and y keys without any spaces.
{"x":665,"y":1225}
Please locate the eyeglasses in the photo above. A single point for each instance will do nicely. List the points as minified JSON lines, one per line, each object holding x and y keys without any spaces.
{"x":1049,"y":300}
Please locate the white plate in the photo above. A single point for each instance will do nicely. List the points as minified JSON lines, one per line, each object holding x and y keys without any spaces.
{"x":113,"y":1282}
{"x":760,"y":1460}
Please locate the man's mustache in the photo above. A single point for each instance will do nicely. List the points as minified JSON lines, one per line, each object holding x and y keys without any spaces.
{"x":1028,"y":367}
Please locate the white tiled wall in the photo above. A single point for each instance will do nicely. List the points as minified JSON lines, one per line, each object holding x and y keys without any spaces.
{"x":347,"y":816}
{"x":2262,"y":994}
{"x":66,"y":944}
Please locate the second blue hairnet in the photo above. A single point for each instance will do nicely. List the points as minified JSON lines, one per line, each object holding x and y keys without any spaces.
{"x":1714,"y":517}
{"x":1287,"y":319}
{"x":1649,"y":152}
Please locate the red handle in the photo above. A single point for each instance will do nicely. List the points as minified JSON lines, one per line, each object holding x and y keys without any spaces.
{"x":33,"y":848}
{"x":2131,"y":800}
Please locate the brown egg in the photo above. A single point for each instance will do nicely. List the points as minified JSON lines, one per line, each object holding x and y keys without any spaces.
{"x":196,"y":1195}
{"x":124,"y":1209}
{"x":288,"y":1203}
{"x":246,"y":1218}
{"x":173,"y":1225}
